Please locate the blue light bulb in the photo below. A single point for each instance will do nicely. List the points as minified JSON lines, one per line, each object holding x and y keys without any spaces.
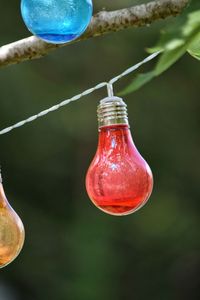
{"x":57,"y":21}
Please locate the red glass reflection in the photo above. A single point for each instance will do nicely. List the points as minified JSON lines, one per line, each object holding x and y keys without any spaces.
{"x":119,"y":181}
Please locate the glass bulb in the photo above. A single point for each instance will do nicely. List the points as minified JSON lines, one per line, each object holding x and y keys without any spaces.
{"x":11,"y":231}
{"x":57,"y":21}
{"x":119,"y":181}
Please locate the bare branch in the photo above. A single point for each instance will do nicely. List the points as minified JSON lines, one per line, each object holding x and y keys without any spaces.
{"x":102,"y":23}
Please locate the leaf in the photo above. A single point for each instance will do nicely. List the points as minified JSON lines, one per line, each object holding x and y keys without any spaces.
{"x":197,"y":56}
{"x":154,"y":49}
{"x":179,"y":27}
{"x":175,"y":48}
{"x":194,"y":48}
{"x":192,"y":23}
{"x":138,"y":82}
{"x":166,"y":37}
{"x":168,"y":58}
{"x":174,"y":42}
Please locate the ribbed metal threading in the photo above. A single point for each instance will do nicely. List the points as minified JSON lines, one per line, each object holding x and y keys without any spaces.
{"x":112,"y":111}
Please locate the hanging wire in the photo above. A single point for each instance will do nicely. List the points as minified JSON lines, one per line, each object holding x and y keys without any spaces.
{"x":109,"y":86}
{"x":110,"y":90}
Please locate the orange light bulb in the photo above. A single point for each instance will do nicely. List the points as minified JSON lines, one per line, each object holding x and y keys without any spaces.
{"x":11,"y":231}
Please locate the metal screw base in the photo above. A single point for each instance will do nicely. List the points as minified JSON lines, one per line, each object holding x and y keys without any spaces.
{"x":112,"y":111}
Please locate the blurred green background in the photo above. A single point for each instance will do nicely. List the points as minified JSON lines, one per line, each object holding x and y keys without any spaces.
{"x":72,"y":250}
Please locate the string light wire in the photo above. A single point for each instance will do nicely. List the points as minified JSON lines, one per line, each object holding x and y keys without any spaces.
{"x":108,"y":85}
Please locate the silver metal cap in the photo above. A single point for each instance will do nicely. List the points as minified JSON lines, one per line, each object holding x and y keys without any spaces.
{"x":112,"y":111}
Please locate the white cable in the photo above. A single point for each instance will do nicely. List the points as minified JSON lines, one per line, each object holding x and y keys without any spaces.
{"x":77,"y":97}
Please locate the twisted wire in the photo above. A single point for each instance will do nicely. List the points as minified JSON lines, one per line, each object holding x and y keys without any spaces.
{"x":79,"y":96}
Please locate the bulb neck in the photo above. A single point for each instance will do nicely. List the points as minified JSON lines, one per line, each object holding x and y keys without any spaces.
{"x":112,"y":111}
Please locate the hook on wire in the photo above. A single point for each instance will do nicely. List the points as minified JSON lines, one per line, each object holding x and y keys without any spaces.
{"x":110,"y":89}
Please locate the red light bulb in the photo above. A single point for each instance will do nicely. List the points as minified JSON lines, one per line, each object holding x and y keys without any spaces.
{"x":119,"y":181}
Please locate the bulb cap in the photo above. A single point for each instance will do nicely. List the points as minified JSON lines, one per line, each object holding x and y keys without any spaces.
{"x":112,"y":111}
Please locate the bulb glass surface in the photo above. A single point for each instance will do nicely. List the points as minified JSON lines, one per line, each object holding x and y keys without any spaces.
{"x":11,"y":231}
{"x":57,"y":21}
{"x":119,"y":181}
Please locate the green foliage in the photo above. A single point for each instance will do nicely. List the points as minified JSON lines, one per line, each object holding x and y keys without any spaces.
{"x":139,"y":81}
{"x":194,"y":48}
{"x":182,"y":37}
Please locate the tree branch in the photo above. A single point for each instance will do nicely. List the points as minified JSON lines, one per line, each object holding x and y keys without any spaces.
{"x":102,"y":23}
